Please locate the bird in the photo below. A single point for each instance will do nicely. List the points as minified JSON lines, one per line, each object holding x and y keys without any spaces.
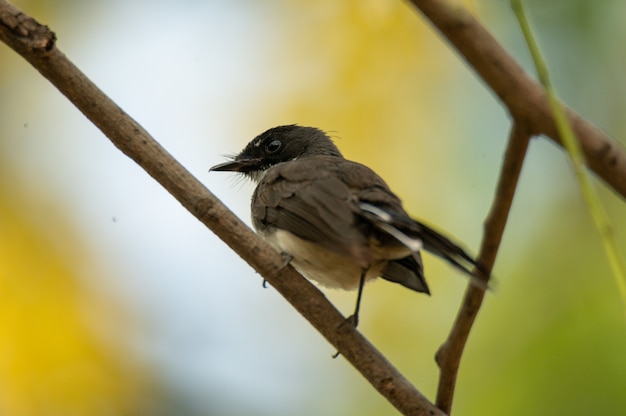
{"x":336,"y":221}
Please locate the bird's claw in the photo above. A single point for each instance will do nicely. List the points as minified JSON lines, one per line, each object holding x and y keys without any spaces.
{"x":352,"y":320}
{"x":287,"y":257}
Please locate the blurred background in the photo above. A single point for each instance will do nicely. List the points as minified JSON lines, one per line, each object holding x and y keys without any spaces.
{"x":116,"y":301}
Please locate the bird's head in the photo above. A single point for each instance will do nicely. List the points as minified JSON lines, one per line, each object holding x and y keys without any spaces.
{"x":277,"y":145}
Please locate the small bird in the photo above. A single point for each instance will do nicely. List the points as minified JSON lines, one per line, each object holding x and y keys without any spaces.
{"x":336,"y":220}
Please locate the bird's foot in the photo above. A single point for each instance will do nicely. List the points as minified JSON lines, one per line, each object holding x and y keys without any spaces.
{"x":287,"y":257}
{"x":352,"y":320}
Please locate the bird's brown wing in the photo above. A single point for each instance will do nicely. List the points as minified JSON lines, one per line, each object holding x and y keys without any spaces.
{"x":309,"y":200}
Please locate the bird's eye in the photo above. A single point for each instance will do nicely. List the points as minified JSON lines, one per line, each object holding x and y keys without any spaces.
{"x":273,"y":146}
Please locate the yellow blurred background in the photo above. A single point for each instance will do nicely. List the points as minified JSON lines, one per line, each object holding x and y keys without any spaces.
{"x":114,"y":300}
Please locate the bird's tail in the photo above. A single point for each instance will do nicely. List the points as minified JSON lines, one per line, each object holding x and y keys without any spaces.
{"x":441,"y":246}
{"x":415,"y":235}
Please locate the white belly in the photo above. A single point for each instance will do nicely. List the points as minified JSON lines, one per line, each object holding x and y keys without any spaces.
{"x":319,"y":264}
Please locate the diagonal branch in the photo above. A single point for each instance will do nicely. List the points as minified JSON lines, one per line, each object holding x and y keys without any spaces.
{"x":524,"y":98}
{"x":449,"y":354}
{"x":36,"y":43}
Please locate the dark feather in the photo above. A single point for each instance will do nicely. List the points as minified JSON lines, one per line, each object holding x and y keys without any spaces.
{"x":409,"y":272}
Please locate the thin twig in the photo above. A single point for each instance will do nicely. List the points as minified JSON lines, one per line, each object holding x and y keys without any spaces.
{"x":449,"y":354}
{"x":36,"y":43}
{"x":524,"y":98}
{"x":571,"y":144}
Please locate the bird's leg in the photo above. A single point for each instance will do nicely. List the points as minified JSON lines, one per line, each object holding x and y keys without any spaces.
{"x":287,"y":257}
{"x":354,"y":319}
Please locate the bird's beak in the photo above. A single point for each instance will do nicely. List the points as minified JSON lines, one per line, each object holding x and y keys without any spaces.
{"x":242,"y":165}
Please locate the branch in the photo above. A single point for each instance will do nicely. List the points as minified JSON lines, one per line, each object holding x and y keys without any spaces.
{"x":449,"y":354}
{"x":524,"y":98}
{"x":36,"y":43}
